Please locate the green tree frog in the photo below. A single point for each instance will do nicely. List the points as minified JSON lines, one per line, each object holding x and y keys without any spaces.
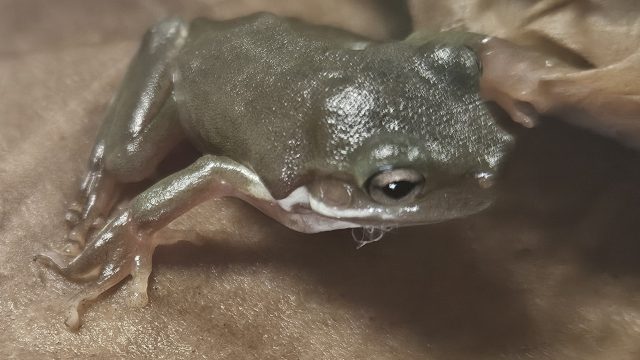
{"x":318,"y":128}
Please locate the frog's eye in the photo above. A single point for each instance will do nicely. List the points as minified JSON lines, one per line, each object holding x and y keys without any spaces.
{"x":395,"y":186}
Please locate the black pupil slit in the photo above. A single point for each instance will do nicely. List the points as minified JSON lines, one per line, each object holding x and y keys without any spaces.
{"x":398,"y":189}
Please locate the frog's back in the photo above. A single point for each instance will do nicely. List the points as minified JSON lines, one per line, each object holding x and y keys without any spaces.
{"x":292,"y":100}
{"x":235,"y":70}
{"x":245,"y":85}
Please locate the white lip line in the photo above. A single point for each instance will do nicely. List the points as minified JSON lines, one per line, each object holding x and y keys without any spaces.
{"x":323,"y":209}
{"x":301,"y":197}
{"x":313,"y":221}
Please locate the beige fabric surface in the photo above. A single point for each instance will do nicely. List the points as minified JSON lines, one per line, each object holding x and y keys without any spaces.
{"x":584,"y":63}
{"x":551,"y":272}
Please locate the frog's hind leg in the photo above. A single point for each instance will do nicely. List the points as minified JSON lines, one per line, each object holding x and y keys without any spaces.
{"x":125,"y":244}
{"x":109,"y":258}
{"x":140,"y":127}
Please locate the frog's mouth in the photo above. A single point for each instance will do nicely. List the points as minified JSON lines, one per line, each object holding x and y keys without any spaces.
{"x":365,"y":214}
{"x":306,"y":211}
{"x":298,"y":213}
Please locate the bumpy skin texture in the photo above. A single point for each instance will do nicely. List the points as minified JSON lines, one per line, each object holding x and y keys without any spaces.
{"x":249,"y":85}
{"x":292,"y":118}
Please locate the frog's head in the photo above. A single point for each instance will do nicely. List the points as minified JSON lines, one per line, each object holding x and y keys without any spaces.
{"x":409,"y":140}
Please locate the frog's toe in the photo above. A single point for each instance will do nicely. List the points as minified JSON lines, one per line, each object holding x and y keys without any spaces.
{"x":139,"y":298}
{"x":72,"y":248}
{"x":54,"y":260}
{"x":78,"y":234}
{"x":68,"y":265}
{"x":98,"y":193}
{"x":80,"y":301}
{"x":140,"y":278}
{"x":73,"y":214}
{"x":72,"y":321}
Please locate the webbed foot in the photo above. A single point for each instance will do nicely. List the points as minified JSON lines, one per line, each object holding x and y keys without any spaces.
{"x":116,"y":251}
{"x":125,"y":244}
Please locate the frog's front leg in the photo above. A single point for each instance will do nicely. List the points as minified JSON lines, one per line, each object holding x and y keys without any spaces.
{"x":124,"y":246}
{"x":139,"y":129}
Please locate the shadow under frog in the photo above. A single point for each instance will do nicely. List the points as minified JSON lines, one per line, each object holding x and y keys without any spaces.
{"x":459,"y":286}
{"x":317,"y":128}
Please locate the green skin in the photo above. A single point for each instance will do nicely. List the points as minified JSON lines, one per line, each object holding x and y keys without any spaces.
{"x":293,"y":118}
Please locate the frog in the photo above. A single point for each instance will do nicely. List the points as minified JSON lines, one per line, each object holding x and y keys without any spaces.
{"x":318,"y":128}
